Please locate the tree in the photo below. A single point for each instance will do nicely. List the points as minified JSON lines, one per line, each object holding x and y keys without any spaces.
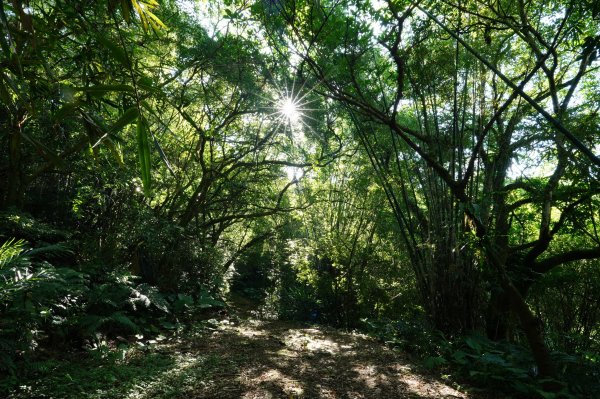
{"x":469,"y":124}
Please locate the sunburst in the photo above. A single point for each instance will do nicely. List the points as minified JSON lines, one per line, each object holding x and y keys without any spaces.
{"x":289,"y":110}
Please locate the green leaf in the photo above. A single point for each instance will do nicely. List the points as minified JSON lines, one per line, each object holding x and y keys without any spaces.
{"x":168,"y":325}
{"x":460,"y":357}
{"x":144,"y":154}
{"x":433,"y":362}
{"x":126,"y":9}
{"x":115,"y":151}
{"x":473,"y":344}
{"x":146,"y":83}
{"x":493,"y":359}
{"x":103,"y":89}
{"x":128,"y":117}
{"x":117,"y":52}
{"x":154,"y":296}
{"x":124,"y":321}
{"x":163,"y":156}
{"x":546,"y":395}
{"x":64,"y":111}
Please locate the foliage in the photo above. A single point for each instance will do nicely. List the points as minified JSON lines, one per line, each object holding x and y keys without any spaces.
{"x":42,"y":304}
{"x":335,"y":160}
{"x":128,"y":371}
{"x":33,"y":297}
{"x":501,"y":366}
{"x":567,"y":300}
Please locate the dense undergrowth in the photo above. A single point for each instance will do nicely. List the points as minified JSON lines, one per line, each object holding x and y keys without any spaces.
{"x":55,"y":310}
{"x":52,"y":306}
{"x":478,"y":362}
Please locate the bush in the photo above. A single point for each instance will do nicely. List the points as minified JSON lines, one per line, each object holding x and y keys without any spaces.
{"x":501,"y":366}
{"x":41,"y":302}
{"x":32,"y":293}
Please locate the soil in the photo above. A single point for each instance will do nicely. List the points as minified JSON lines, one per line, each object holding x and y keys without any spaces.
{"x":277,"y":359}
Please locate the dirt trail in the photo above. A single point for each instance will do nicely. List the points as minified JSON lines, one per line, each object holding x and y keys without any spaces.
{"x":274,"y":359}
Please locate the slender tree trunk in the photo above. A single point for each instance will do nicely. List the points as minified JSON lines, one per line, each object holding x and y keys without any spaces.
{"x":497,"y":315}
{"x":533,"y":329}
{"x":14,"y":189}
{"x":531,"y":325}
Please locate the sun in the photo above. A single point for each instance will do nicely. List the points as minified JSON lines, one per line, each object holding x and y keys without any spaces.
{"x":289,"y":110}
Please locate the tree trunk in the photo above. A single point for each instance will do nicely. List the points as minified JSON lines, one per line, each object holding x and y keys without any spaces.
{"x":497,"y":315}
{"x":533,"y":328}
{"x":531,"y":325}
{"x":14,"y":189}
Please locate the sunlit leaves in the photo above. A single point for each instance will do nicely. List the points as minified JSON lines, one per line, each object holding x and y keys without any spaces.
{"x":144,"y":10}
{"x":103,"y":89}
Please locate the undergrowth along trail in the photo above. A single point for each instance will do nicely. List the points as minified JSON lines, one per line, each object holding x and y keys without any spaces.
{"x":238,"y":357}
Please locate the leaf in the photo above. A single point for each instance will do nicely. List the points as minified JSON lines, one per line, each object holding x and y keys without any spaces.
{"x":154,"y":20}
{"x":116,"y":51}
{"x":546,"y":395}
{"x":163,"y":156}
{"x":460,"y":357}
{"x":155,"y":297}
{"x":144,"y":154}
{"x":64,"y":111}
{"x":126,"y":9}
{"x":434,"y":361}
{"x":168,"y":325}
{"x":123,"y":320}
{"x":140,"y":13}
{"x":206,"y":300}
{"x":102,"y":89}
{"x":473,"y":344}
{"x":115,"y":151}
{"x":49,"y":155}
{"x":147,"y":84}
{"x":493,"y":359}
{"x":128,"y":117}
{"x":147,"y":18}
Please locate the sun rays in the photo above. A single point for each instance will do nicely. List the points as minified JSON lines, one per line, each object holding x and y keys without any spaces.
{"x":289,"y":110}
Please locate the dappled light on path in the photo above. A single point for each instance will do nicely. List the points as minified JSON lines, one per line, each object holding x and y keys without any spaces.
{"x":275,"y":359}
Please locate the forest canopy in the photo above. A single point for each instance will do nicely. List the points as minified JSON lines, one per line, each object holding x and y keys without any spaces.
{"x":425,"y":171}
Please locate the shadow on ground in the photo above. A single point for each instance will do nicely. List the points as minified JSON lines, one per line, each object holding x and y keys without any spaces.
{"x":274,"y":359}
{"x":240,"y":358}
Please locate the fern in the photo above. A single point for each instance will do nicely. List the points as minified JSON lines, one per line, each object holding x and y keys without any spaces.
{"x":149,"y":295}
{"x":51,"y":250}
{"x":91,"y":324}
{"x":112,"y":295}
{"x":123,"y":321}
{"x":10,"y":251}
{"x":7,"y":363}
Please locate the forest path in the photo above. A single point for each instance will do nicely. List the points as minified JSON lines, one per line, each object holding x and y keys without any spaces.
{"x":242,"y":355}
{"x":276,"y":359}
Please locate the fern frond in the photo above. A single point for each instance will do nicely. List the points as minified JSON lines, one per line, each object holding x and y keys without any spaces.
{"x":51,"y":250}
{"x":13,"y":254}
{"x":150,"y":295}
